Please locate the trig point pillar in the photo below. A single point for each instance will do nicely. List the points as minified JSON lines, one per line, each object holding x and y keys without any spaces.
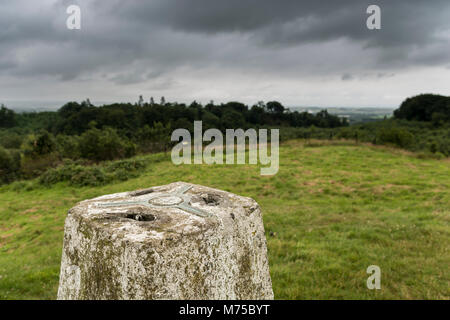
{"x":178,"y":241}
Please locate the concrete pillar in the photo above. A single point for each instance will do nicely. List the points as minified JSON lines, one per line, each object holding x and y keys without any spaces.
{"x":178,"y":241}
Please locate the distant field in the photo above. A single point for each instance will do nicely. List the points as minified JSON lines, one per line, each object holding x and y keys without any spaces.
{"x":354,"y":115}
{"x":330,"y":212}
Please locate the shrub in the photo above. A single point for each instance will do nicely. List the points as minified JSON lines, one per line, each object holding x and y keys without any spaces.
{"x":33,"y":167}
{"x":40,"y":153}
{"x":104,"y":144}
{"x":397,"y":136}
{"x":123,"y":174}
{"x":75,"y":174}
{"x":79,"y":175}
{"x":11,"y":141}
{"x":7,"y":117}
{"x":209,"y":119}
{"x":9,"y":165}
{"x":68,"y":146}
{"x":156,"y":138}
{"x":88,"y":176}
{"x":62,"y":173}
{"x":39,"y":145}
{"x":125,"y":169}
{"x":22,"y":186}
{"x":127,"y":165}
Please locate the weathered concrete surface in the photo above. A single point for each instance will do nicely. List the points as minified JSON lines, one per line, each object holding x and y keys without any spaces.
{"x":216,"y":251}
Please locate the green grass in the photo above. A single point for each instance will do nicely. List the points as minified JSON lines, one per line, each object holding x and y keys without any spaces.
{"x":330,"y":212}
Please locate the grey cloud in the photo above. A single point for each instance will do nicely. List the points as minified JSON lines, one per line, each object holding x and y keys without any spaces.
{"x":347,"y":77}
{"x":123,"y":32}
{"x":134,"y":41}
{"x":296,"y":21}
{"x":381,"y":75}
{"x":367,"y":76}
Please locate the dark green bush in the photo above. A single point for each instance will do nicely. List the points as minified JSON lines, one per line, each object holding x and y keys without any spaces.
{"x":39,"y":145}
{"x":125,"y":169}
{"x":7,"y":117}
{"x":123,"y":174}
{"x":9,"y":165}
{"x":32,"y":167}
{"x":127,"y":165}
{"x":11,"y":140}
{"x":76,"y":175}
{"x":88,"y":176}
{"x":232,"y":119}
{"x":441,"y":145}
{"x":68,"y":146}
{"x":425,"y":107}
{"x":59,"y":174}
{"x":19,"y":186}
{"x":39,"y":154}
{"x":397,"y":136}
{"x":80,"y":175}
{"x":104,"y":144}
{"x":156,"y":138}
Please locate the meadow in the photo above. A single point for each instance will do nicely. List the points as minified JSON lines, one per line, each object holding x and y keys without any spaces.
{"x":333,"y":209}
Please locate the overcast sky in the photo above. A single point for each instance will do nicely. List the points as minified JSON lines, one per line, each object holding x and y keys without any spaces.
{"x":301,"y":53}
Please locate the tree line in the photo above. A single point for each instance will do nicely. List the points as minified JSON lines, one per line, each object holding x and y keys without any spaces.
{"x":33,"y":142}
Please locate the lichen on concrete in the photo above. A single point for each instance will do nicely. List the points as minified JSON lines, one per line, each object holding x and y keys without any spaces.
{"x":132,"y":251}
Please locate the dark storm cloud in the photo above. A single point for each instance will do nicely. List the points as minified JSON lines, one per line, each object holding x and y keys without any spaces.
{"x":134,"y":41}
{"x":296,"y":21}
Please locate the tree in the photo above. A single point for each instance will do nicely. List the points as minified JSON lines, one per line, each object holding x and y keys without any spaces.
{"x":141,"y":101}
{"x":261,"y":104}
{"x":163,"y":101}
{"x":9,"y":165}
{"x":275,"y":107}
{"x":156,"y":138}
{"x":256,"y":114}
{"x":195,"y":104}
{"x":232,"y":119}
{"x":104,"y":144}
{"x":86,"y":103}
{"x":39,"y":154}
{"x":39,"y":145}
{"x":237,"y":106}
{"x":7,"y":117}
{"x":69,"y":109}
{"x":396,"y":136}
{"x":11,"y":140}
{"x":68,"y":146}
{"x":210,"y":121}
{"x":422,"y":108}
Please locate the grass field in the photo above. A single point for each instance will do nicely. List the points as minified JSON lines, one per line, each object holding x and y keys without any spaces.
{"x":330,"y":212}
